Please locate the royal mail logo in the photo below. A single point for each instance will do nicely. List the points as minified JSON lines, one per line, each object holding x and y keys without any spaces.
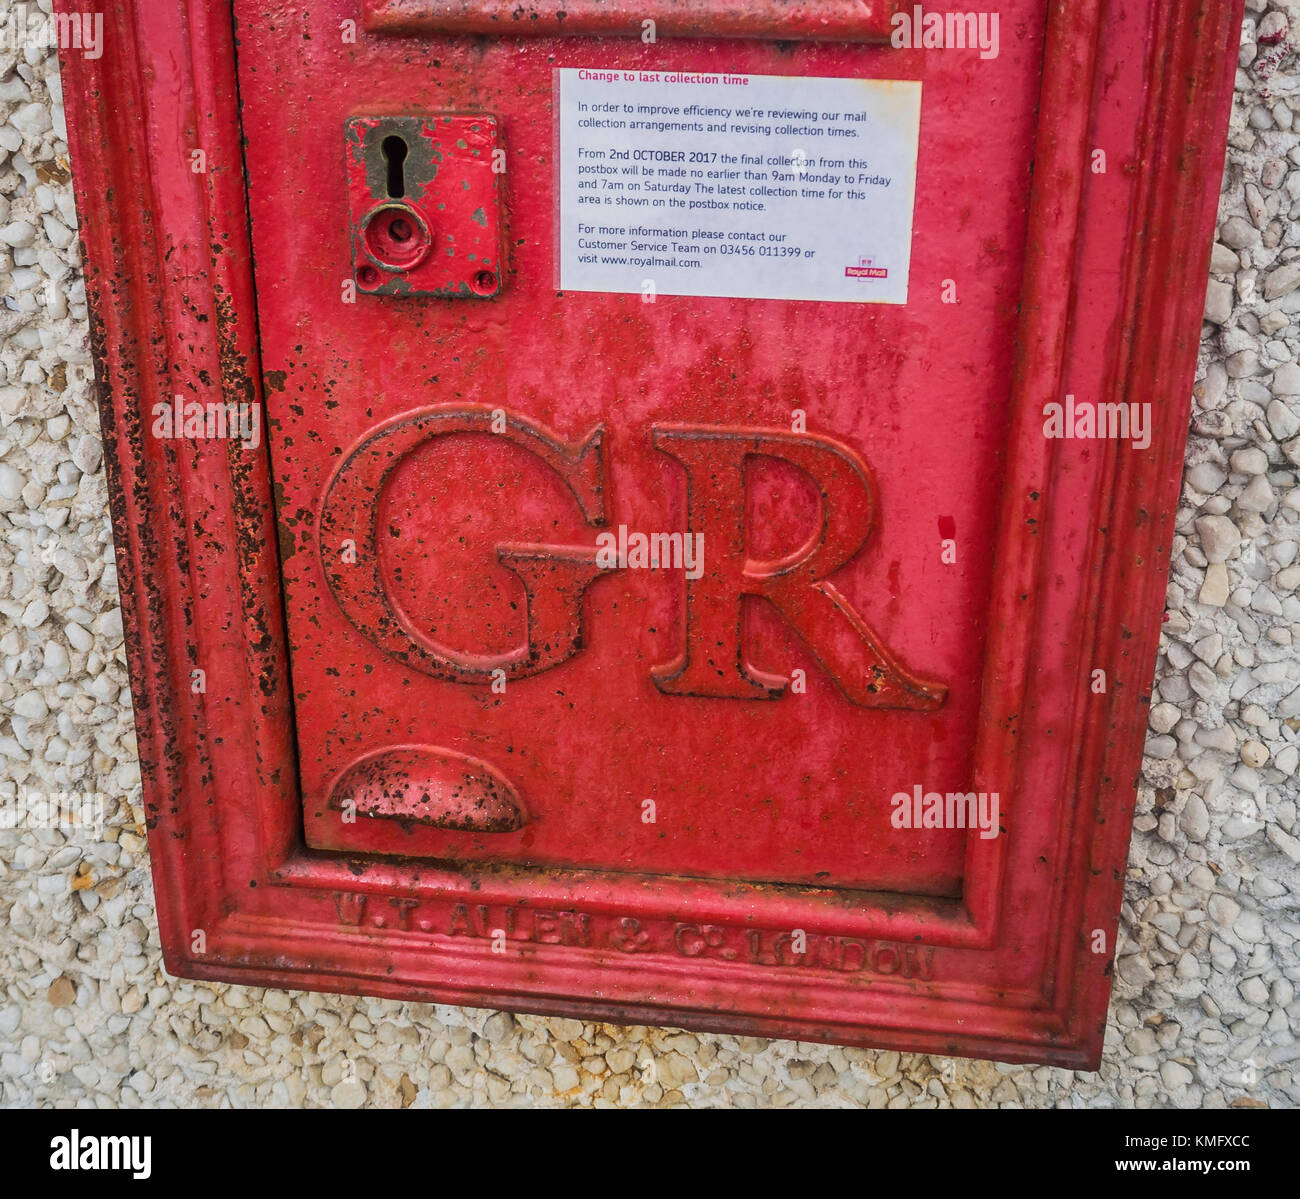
{"x":866,"y":269}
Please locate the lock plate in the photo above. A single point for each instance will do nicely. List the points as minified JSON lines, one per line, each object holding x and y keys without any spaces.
{"x":424,"y":200}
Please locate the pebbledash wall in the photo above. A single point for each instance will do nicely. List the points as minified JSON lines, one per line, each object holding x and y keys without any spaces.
{"x":1204,"y":1010}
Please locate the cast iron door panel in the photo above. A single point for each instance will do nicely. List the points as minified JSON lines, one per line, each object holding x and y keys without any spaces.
{"x":471,"y":685}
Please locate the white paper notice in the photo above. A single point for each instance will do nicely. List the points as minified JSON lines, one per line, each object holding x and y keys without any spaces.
{"x":764,"y":186}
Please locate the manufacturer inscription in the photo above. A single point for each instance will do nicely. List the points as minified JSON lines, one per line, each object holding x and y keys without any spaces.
{"x":519,"y":924}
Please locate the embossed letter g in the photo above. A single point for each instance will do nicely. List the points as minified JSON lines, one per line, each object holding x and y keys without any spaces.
{"x":554,"y":576}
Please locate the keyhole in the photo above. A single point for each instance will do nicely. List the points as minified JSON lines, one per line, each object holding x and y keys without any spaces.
{"x":394,"y":149}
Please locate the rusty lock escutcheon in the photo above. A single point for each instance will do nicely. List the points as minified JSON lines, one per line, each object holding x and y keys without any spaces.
{"x":424,"y":198}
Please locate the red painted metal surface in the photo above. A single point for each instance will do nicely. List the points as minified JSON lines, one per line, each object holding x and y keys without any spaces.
{"x":831,"y":20}
{"x":448,"y":799}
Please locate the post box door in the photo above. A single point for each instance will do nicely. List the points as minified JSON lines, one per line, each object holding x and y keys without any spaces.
{"x":705,"y":584}
{"x":471,"y":684}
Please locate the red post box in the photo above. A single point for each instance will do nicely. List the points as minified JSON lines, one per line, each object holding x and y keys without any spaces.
{"x":655,"y":512}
